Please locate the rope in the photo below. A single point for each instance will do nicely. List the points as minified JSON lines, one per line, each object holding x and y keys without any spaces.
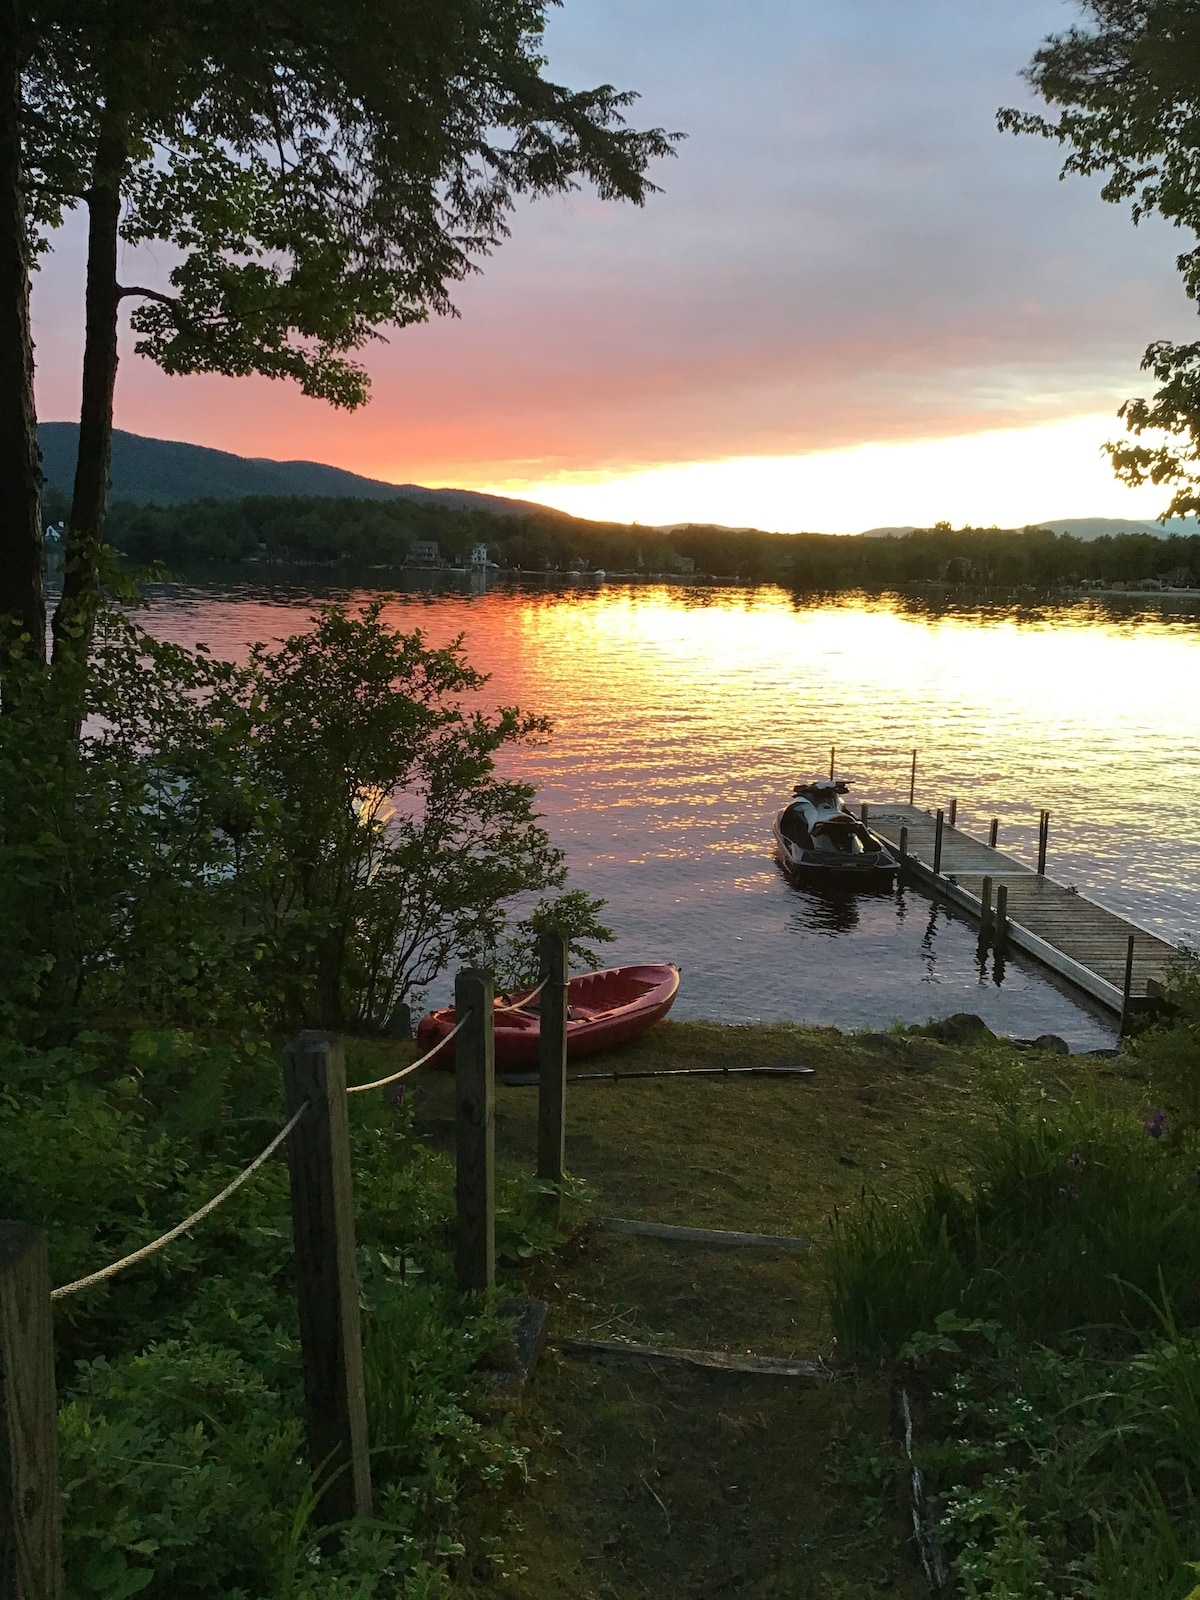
{"x":196,"y":1216}
{"x":520,"y":1005}
{"x":381,"y":1083}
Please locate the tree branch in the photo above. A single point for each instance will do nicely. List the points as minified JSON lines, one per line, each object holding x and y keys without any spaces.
{"x":147,"y":294}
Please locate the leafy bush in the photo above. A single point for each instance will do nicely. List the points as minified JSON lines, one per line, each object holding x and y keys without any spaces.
{"x":1043,"y":1313}
{"x":1071,"y":1217}
{"x":1170,"y":1052}
{"x":305,"y":839}
{"x":1070,"y":1472}
{"x":183,"y":1459}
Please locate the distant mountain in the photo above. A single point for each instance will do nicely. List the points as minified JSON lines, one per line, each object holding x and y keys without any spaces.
{"x":1086,"y":528}
{"x":1098,"y":527}
{"x":167,"y":473}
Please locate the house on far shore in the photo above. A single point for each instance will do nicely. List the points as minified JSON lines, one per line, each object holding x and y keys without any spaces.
{"x":479,"y":555}
{"x":424,"y":553}
{"x":1178,"y":578}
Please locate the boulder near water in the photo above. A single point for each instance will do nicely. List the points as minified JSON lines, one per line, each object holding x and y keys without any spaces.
{"x":963,"y":1027}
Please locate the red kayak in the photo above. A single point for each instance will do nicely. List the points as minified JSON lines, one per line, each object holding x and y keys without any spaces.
{"x":603,"y":1009}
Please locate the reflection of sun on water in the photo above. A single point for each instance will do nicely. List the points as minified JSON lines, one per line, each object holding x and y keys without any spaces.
{"x":689,"y":714}
{"x":851,"y":664}
{"x":683,"y":716}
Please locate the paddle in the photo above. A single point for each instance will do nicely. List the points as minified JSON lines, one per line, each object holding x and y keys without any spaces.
{"x":525,"y":1080}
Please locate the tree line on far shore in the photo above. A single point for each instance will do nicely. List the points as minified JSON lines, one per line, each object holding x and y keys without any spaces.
{"x":304,"y":530}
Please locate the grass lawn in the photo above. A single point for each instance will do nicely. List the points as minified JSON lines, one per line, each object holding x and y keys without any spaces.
{"x":674,"y":1482}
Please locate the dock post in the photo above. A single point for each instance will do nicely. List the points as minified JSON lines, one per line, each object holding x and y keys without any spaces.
{"x":903,"y":851}
{"x":1127,"y":990}
{"x":912,"y":782}
{"x":864,"y":813}
{"x":952,"y":818}
{"x":1000,"y":942}
{"x":993,"y":832}
{"x":985,"y":911}
{"x":832,"y":760}
{"x":1043,"y":840}
{"x":937,"y":843}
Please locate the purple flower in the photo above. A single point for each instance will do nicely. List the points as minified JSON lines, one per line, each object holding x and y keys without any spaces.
{"x":1156,"y":1124}
{"x":397,"y":1095}
{"x":1076,"y":1161}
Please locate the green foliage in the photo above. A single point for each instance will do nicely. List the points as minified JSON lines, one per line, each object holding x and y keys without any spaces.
{"x":183,"y":1461}
{"x":1170,"y":1052}
{"x":1073,"y":1216}
{"x":380,"y":533}
{"x":1065,"y":1472}
{"x":308,"y":838}
{"x":1124,"y":92}
{"x":1043,"y":1315}
{"x":318,"y":174}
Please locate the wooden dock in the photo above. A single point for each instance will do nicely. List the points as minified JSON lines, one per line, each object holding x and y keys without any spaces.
{"x":1082,"y":941}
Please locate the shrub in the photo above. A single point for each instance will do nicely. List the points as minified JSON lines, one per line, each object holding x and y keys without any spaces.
{"x":1170,"y":1052}
{"x":1070,"y":1217}
{"x":305,"y":839}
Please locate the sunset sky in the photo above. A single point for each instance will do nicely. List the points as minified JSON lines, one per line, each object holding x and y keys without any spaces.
{"x":855,"y":303}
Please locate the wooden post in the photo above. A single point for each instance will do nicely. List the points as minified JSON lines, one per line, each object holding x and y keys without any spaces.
{"x":314,"y":1069}
{"x":994,"y":832}
{"x":985,"y":910}
{"x":864,"y":813}
{"x":1043,"y":840}
{"x":1127,"y":990}
{"x":475,"y":1132}
{"x":552,"y":1070}
{"x":937,"y":843}
{"x":1000,"y":943}
{"x":903,"y":849}
{"x":832,"y":760}
{"x":912,"y":782}
{"x":952,"y":818}
{"x":30,"y":1510}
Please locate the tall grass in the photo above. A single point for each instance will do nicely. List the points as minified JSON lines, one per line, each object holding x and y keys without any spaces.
{"x":1070,"y":1218}
{"x":1047,"y":1307}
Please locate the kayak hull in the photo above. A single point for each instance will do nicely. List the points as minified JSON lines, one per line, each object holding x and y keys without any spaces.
{"x":604,"y":1009}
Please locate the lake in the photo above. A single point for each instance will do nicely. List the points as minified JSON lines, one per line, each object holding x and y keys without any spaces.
{"x":683,"y":716}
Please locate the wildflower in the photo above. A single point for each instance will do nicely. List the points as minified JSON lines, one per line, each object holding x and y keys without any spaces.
{"x":1156,"y":1124}
{"x":398,"y":1094}
{"x":1076,"y":1161}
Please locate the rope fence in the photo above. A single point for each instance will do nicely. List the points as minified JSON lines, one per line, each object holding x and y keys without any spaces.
{"x":382,"y":1083}
{"x":182,"y":1227}
{"x":519,"y":1005}
{"x":324,"y":1271}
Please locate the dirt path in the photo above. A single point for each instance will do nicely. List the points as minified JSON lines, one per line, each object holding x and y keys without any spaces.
{"x":674,"y":1483}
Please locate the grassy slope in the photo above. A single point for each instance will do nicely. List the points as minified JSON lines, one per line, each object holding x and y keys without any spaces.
{"x":696,"y":1484}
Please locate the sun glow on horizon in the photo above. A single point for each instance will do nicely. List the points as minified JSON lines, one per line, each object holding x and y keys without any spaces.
{"x":1006,"y":477}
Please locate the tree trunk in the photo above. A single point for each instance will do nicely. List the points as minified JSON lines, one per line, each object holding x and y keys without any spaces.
{"x":22,"y":569}
{"x":75,"y":615}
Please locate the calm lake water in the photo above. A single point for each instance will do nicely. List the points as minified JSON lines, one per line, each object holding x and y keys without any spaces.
{"x":684,"y":715}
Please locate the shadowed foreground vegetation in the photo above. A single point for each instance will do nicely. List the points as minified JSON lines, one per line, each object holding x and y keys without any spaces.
{"x":182,"y":1405}
{"x":1047,"y":1340}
